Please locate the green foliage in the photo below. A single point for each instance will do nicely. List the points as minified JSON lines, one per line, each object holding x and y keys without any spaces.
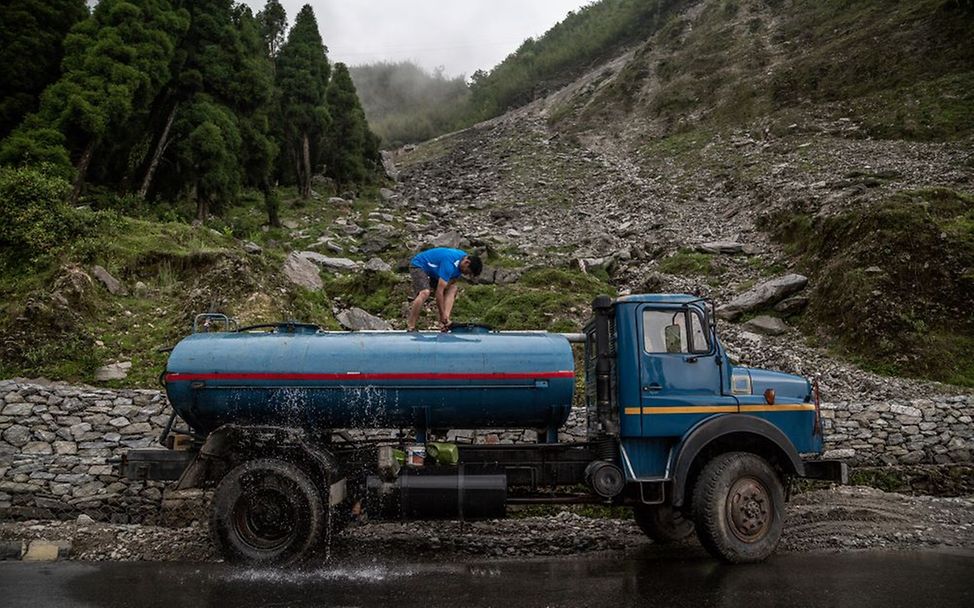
{"x":302,"y":77}
{"x":554,"y":299}
{"x":591,"y":33}
{"x":898,"y":301}
{"x":115,"y":62}
{"x":348,"y":143}
{"x":31,"y":33}
{"x":272,"y":23}
{"x":35,"y":217}
{"x":687,"y":262}
{"x":208,"y":152}
{"x":406,"y":104}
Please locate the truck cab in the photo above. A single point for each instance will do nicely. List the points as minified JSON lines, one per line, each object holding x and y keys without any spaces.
{"x":699,"y":440}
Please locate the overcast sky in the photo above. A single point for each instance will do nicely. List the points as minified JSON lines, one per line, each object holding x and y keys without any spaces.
{"x":460,"y":35}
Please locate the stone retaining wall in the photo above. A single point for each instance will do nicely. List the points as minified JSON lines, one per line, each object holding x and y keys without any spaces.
{"x":919,"y":431}
{"x":57,"y":443}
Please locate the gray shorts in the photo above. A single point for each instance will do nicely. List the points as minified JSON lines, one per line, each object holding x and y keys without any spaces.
{"x":420,"y":280}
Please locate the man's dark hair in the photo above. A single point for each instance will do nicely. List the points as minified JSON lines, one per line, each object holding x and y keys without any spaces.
{"x":476,"y":265}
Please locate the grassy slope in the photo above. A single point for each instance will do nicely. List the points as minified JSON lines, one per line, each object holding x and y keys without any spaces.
{"x":54,"y":330}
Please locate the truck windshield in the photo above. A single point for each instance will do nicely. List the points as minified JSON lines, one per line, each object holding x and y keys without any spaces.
{"x":665,"y":331}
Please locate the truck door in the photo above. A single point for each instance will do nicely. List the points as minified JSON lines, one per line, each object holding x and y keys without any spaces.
{"x":680,"y":379}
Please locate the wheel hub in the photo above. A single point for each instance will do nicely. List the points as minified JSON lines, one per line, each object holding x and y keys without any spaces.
{"x":264,"y":516}
{"x":749,"y":509}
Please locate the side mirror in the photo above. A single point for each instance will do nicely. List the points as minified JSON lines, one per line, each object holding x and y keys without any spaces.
{"x":673,"y":336}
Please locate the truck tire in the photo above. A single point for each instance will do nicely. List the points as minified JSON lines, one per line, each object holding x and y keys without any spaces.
{"x":738,"y":503}
{"x":662,"y":523}
{"x":266,"y":511}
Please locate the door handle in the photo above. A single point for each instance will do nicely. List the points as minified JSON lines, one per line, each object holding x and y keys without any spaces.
{"x":652,"y":387}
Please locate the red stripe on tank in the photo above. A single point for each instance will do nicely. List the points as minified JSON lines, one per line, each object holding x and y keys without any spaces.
{"x":181,"y":377}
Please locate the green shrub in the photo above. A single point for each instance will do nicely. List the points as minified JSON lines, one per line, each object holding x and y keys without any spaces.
{"x":35,"y":216}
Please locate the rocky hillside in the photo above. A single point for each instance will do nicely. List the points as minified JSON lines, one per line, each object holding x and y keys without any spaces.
{"x":746,"y":141}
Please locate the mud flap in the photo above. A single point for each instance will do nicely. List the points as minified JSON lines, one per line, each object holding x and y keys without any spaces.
{"x":336,"y":492}
{"x":827,"y":470}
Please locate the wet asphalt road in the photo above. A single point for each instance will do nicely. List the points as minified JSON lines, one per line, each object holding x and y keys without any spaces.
{"x":927,"y":579}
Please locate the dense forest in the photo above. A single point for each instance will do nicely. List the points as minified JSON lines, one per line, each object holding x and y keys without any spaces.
{"x":160,"y":103}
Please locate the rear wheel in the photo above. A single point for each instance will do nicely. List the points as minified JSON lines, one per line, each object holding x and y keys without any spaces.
{"x":662,"y":523}
{"x":738,"y":504}
{"x":267,"y":511}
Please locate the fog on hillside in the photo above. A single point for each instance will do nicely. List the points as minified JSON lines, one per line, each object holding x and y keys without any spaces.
{"x":405,"y":103}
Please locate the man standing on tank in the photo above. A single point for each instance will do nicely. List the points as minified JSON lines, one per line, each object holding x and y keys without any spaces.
{"x":436,"y":271}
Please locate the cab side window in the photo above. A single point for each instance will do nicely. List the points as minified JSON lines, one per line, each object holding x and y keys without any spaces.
{"x":665,"y":331}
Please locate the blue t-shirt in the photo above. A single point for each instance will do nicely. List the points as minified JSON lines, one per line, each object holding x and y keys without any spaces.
{"x":440,"y":262}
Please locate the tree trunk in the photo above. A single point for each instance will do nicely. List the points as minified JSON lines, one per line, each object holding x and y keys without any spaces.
{"x":202,"y":208}
{"x":306,"y":193}
{"x":82,"y":169}
{"x":272,"y":204}
{"x":157,"y":155}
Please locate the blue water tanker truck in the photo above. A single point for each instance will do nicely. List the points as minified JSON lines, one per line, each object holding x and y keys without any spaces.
{"x":276,"y":420}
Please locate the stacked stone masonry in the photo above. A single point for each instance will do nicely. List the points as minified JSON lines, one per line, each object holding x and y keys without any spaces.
{"x":58,"y":444}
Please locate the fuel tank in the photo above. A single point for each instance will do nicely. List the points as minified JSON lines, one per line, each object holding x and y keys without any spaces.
{"x":357,"y":380}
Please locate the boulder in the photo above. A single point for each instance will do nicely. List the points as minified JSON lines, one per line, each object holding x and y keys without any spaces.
{"x":792,"y":305}
{"x":607,"y":263}
{"x":389,"y":165}
{"x":377,"y":265}
{"x":387,"y":194}
{"x":762,"y":296}
{"x":450,"y":238}
{"x":302,"y":272}
{"x":768,"y":325}
{"x":329,"y":263}
{"x":498,"y":276}
{"x":252,"y":248}
{"x":113,"y":371}
{"x":357,"y":319}
{"x":374,"y":243}
{"x":724,"y":247}
{"x":337,"y":200}
{"x":113,"y":285}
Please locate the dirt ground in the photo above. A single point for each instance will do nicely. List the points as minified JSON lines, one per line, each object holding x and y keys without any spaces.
{"x":840,"y":519}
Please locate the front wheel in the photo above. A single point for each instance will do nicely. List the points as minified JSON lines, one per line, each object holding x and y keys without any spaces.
{"x":266,"y":511}
{"x":662,"y":523}
{"x":738,"y":504}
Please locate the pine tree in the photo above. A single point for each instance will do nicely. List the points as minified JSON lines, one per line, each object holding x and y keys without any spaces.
{"x":259,"y":150}
{"x":31,"y":36}
{"x":273,"y":26}
{"x":220,"y":101}
{"x":302,"y":76}
{"x":114,"y":64}
{"x":350,"y":148}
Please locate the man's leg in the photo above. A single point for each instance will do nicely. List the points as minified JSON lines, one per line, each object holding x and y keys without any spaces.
{"x":416,"y":308}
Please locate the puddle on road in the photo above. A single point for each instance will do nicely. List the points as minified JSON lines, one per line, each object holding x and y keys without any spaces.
{"x":364,"y":574}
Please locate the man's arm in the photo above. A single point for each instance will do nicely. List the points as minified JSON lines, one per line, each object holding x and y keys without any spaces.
{"x":449,"y":297}
{"x":441,"y":287}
